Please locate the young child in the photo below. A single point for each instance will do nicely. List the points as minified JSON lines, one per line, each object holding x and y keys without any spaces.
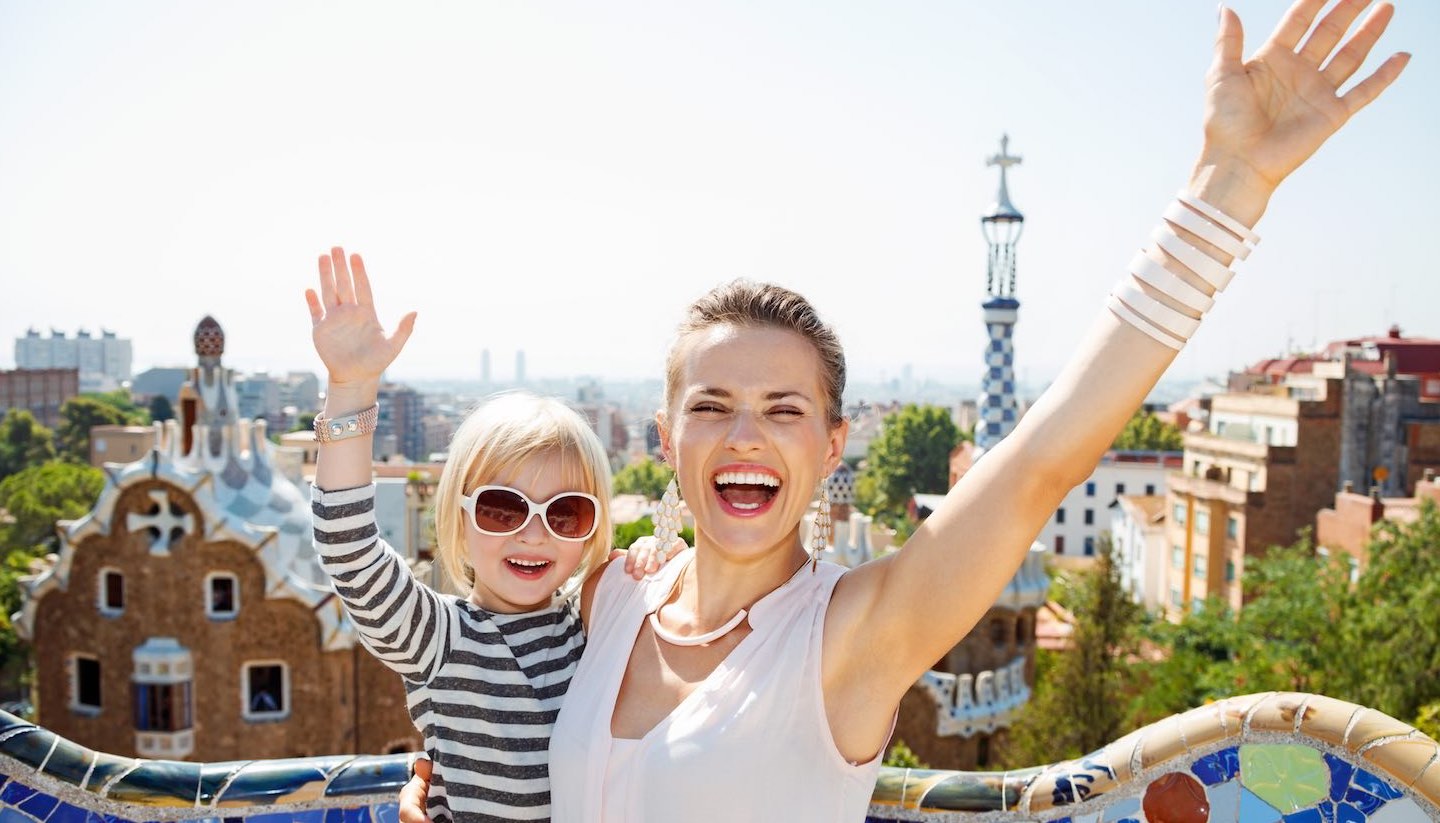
{"x":521,"y":517}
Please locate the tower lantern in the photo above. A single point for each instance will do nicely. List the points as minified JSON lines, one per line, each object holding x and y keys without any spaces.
{"x":1002,"y":224}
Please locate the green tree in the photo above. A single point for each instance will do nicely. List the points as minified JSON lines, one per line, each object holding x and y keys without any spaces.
{"x":39,"y":496}
{"x":902,"y":756}
{"x":23,"y":442}
{"x":1074,"y":709}
{"x":1391,"y":641}
{"x":628,"y":533}
{"x":646,"y":477}
{"x":80,"y":414}
{"x":1146,"y":432}
{"x":911,"y":454}
{"x":304,"y":422}
{"x":160,"y":409}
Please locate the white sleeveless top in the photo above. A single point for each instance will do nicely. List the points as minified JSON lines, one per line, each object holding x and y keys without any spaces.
{"x":750,"y":743}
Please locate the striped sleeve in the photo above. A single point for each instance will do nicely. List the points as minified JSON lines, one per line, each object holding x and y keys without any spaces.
{"x":403,"y":623}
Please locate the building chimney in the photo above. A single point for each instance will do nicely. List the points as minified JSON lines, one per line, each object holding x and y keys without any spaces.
{"x":1377,"y":506}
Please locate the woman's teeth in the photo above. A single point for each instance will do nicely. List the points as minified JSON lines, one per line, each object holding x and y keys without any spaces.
{"x":746,"y":479}
{"x":746,"y":491}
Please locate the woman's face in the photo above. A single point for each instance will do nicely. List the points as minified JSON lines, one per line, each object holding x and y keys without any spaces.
{"x":748,"y":437}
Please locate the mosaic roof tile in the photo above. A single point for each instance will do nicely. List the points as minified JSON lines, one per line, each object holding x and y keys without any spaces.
{"x":1224,"y":801}
{"x":1176,"y":798}
{"x":1218,"y":767}
{"x":157,"y":783}
{"x":1287,"y":776}
{"x":1404,"y":810}
{"x":1255,"y":810}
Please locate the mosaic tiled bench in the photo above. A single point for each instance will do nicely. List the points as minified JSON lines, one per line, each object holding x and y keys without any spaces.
{"x":1271,"y":758}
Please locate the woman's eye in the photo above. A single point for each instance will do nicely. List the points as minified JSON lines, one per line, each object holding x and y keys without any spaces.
{"x":785,"y":412}
{"x":706,"y":408}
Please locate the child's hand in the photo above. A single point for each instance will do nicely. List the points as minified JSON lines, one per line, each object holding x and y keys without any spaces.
{"x":348,"y":336}
{"x":645,"y":557}
{"x":413,"y":794}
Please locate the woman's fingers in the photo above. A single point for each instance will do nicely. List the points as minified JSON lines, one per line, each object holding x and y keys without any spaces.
{"x":344,"y":288}
{"x":363,"y":295}
{"x":327,"y":281}
{"x":1368,"y":89}
{"x":1354,"y":52}
{"x":1296,"y":22}
{"x":1229,"y":44}
{"x":1330,"y":30}
{"x":317,"y":311}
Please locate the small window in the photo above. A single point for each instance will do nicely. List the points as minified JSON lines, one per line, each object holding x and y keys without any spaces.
{"x":163,"y":707}
{"x":1202,"y":522}
{"x":1149,"y":489}
{"x":1197,"y":605}
{"x":1119,"y":489}
{"x":1232,"y":527}
{"x":1060,"y":516}
{"x":85,"y":684}
{"x":1175,"y":597}
{"x":266,"y":688}
{"x":999,"y":632}
{"x":1201,"y":566}
{"x":1059,"y":544}
{"x":1089,"y":546}
{"x":1090,"y":489}
{"x":1229,"y":571}
{"x":1177,"y":558}
{"x":982,"y":751}
{"x":1178,"y":514}
{"x":112,"y":592}
{"x":222,"y":596}
{"x":1089,"y":517}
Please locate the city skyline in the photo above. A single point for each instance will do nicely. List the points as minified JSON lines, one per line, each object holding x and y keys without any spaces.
{"x":195,"y":159}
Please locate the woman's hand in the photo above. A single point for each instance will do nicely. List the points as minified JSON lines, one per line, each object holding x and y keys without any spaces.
{"x":413,"y":794}
{"x":646,"y":557}
{"x":348,"y":336}
{"x":1265,"y":116}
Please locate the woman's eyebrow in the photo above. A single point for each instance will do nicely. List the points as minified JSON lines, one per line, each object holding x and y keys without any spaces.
{"x":714,"y":391}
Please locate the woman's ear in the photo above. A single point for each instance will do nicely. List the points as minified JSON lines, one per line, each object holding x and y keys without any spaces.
{"x":662,"y":424}
{"x":836,"y":448}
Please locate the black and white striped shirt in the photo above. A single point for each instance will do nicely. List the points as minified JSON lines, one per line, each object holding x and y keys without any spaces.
{"x":484,"y":689}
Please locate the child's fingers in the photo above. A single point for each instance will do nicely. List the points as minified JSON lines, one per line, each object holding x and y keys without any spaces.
{"x":327,"y":280}
{"x":317,"y":311}
{"x":344,"y":287}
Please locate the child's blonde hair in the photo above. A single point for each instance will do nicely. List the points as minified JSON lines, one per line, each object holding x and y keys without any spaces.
{"x":498,"y":438}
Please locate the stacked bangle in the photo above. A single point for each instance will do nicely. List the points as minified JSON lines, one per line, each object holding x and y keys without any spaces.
{"x":345,"y":426}
{"x":1159,"y":321}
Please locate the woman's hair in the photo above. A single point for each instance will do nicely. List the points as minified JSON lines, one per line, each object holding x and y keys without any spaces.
{"x":746,"y":303}
{"x":499,"y":438}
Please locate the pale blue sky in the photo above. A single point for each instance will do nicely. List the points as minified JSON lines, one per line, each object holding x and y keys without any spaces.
{"x":563,"y":178}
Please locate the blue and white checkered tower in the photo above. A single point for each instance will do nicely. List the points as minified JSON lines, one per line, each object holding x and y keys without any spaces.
{"x":1002,"y":225}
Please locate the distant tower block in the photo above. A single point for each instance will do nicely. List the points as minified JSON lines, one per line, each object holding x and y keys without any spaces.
{"x":485,"y":366}
{"x":520,"y":367}
{"x":1002,"y":225}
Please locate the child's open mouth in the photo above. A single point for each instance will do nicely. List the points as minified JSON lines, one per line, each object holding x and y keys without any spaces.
{"x":528,"y":569}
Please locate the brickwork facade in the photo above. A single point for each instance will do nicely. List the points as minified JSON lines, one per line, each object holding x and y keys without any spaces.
{"x":40,"y":391}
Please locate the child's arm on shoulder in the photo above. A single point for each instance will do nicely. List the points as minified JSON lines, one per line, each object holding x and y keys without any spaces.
{"x":644,"y":557}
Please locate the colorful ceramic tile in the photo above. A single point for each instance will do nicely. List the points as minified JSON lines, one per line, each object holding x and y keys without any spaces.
{"x":1255,"y":810}
{"x":1121,"y":810}
{"x":1403,"y":810}
{"x":1288,"y":777}
{"x":69,"y":762}
{"x":39,"y":805}
{"x":9,"y":815}
{"x":30,"y":746}
{"x":370,"y":775}
{"x":1218,"y":767}
{"x":264,"y":782}
{"x":966,"y":792}
{"x":1375,"y":785}
{"x":1224,"y":801}
{"x":1176,"y":798}
{"x":14,"y":792}
{"x":1304,"y":816}
{"x":214,"y":776}
{"x":67,"y":813}
{"x":1346,"y":813}
{"x":386,"y":813}
{"x":1366,"y":802}
{"x":106,"y":768}
{"x":158,"y":783}
{"x":1340,"y":773}
{"x":360,"y":815}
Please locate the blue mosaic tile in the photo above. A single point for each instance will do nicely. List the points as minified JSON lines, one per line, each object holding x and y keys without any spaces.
{"x":1224,"y":801}
{"x":268,"y":781}
{"x":9,"y":721}
{"x":67,"y":813}
{"x":334,"y":816}
{"x":386,"y":813}
{"x":1220,"y":767}
{"x":1340,"y":772}
{"x":213,"y":777}
{"x":279,"y":817}
{"x":9,"y":815}
{"x":312,"y":816}
{"x":1126,"y":809}
{"x":1304,"y":816}
{"x":1367,"y":803}
{"x":106,"y":767}
{"x":39,"y":805}
{"x":1375,"y":785}
{"x":30,"y":747}
{"x":1255,"y":810}
{"x":1346,"y":813}
{"x":370,"y":775}
{"x":360,"y":815}
{"x":69,"y":762}
{"x":14,"y":793}
{"x":158,"y":782}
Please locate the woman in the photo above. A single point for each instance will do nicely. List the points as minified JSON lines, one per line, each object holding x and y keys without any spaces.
{"x":738,"y":684}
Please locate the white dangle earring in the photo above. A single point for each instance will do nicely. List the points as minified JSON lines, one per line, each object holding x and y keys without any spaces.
{"x":822,"y":529}
{"x":667,"y":521}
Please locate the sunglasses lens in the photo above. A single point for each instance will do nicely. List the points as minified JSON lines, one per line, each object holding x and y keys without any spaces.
{"x":500,"y":511}
{"x":571,"y":516}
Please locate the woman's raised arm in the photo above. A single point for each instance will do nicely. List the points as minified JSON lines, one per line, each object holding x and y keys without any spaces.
{"x":1263,"y":118}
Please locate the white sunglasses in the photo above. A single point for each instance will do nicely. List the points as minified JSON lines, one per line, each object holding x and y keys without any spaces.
{"x":500,"y":511}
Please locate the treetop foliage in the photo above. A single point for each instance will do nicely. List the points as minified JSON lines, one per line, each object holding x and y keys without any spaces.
{"x":910,"y":454}
{"x":1146,"y":432}
{"x":646,"y":478}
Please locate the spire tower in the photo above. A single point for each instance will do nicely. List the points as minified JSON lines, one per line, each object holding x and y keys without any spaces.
{"x":1002,"y":224}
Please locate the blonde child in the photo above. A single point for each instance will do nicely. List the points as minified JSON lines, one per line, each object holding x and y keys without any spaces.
{"x":521,"y":517}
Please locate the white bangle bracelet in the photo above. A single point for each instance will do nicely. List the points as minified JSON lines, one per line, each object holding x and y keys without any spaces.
{"x":1223,"y":240}
{"x":1124,"y":313}
{"x":1173,"y":322}
{"x":1205,"y":267}
{"x":1161,"y":279}
{"x":1225,"y":221}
